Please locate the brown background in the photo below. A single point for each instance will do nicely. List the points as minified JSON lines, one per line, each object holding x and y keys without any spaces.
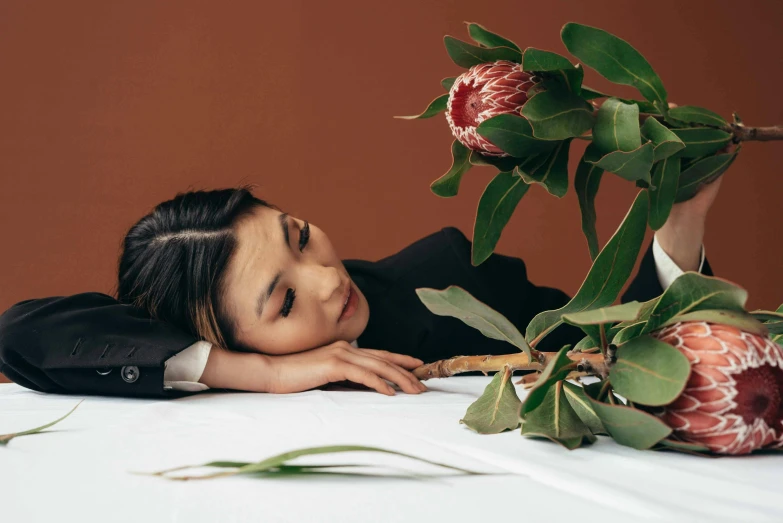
{"x":111,"y":107}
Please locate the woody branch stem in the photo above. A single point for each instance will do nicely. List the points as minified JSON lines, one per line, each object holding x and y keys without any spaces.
{"x":460,"y":364}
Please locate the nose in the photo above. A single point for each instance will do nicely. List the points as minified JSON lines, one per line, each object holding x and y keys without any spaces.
{"x":323,"y":281}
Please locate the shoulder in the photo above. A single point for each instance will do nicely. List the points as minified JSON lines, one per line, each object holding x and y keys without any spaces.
{"x":441,"y":249}
{"x":445,"y":243}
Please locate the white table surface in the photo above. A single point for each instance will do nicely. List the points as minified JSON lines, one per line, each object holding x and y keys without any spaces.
{"x":79,"y":470}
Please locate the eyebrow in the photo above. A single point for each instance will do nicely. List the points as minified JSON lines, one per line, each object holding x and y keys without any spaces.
{"x":264,"y":296}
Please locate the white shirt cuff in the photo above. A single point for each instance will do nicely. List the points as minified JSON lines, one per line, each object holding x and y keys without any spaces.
{"x":184,"y":369}
{"x":667,"y":270}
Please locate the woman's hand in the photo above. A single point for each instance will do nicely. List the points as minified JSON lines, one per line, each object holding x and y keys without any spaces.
{"x":340,"y":361}
{"x":683,"y":234}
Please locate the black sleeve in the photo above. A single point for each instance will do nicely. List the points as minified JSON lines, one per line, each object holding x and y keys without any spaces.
{"x":87,"y":343}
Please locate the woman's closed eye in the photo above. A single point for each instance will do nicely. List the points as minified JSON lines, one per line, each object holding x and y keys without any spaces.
{"x":288,"y":302}
{"x":304,"y":236}
{"x":290,"y":294}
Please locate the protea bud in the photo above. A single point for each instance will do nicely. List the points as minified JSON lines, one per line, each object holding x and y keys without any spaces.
{"x":732,"y":402}
{"x":484,"y":91}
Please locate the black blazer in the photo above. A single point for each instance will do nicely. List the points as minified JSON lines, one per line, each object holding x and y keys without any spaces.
{"x":89,"y":343}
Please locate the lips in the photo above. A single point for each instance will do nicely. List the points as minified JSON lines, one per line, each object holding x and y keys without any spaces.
{"x":345,"y":296}
{"x":350,"y":302}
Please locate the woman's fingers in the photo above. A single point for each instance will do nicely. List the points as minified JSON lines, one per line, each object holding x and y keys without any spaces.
{"x":387,"y":370}
{"x":361,"y":375}
{"x":404,"y":361}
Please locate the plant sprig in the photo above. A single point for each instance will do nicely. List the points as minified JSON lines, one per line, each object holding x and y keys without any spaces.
{"x":6,"y":438}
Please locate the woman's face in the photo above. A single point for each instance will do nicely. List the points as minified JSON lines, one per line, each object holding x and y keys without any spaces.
{"x":286,"y":290}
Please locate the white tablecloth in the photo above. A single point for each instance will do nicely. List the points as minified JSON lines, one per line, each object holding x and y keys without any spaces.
{"x":79,"y":470}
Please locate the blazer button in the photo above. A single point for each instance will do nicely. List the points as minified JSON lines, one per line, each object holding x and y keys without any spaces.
{"x":104,"y":371}
{"x":130,"y":373}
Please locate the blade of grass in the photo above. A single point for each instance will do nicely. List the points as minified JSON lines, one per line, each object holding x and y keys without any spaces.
{"x":275,"y":462}
{"x":5,"y":438}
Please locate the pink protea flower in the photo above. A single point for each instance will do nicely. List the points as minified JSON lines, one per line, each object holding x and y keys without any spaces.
{"x":732,"y":402}
{"x":484,"y":91}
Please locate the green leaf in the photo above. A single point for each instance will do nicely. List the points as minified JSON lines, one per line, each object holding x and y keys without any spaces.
{"x":703,"y":172}
{"x":628,"y":333}
{"x":590,"y":321}
{"x":536,"y":60}
{"x":275,"y":462}
{"x":643,"y":105}
{"x":777,"y":338}
{"x":578,"y":399}
{"x":697,"y":115}
{"x":497,"y":409}
{"x":5,"y":438}
{"x":446,"y":83}
{"x":585,"y":344}
{"x":558,"y":114}
{"x":514,"y":135}
{"x":632,"y":165}
{"x":614,"y":59}
{"x":629,"y":426}
{"x":438,"y":105}
{"x":467,"y":55}
{"x":501,"y":163}
{"x":693,"y":292}
{"x":649,"y":371}
{"x":666,"y":142}
{"x":644,"y":313}
{"x":626,"y":330}
{"x":448,"y":185}
{"x":552,"y":174}
{"x":557,"y":369}
{"x":556,"y":420}
{"x":586,"y":183}
{"x":458,"y":303}
{"x":665,"y":178}
{"x":741,"y":320}
{"x":682,"y":445}
{"x":607,"y":276}
{"x":701,"y":141}
{"x":482,"y":36}
{"x":773,"y":321}
{"x":591,"y":94}
{"x":616,"y":127}
{"x":495,"y":208}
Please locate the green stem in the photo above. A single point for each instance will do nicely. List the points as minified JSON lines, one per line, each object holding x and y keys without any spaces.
{"x":604,"y":389}
{"x":603,"y":339}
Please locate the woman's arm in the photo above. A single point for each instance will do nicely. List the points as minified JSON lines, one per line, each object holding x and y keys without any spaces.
{"x":306,"y":370}
{"x":90,"y":343}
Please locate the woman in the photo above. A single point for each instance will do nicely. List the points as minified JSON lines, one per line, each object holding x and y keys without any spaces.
{"x":218,"y":289}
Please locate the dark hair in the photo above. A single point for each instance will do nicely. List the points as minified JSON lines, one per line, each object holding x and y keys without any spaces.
{"x":174,"y":261}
